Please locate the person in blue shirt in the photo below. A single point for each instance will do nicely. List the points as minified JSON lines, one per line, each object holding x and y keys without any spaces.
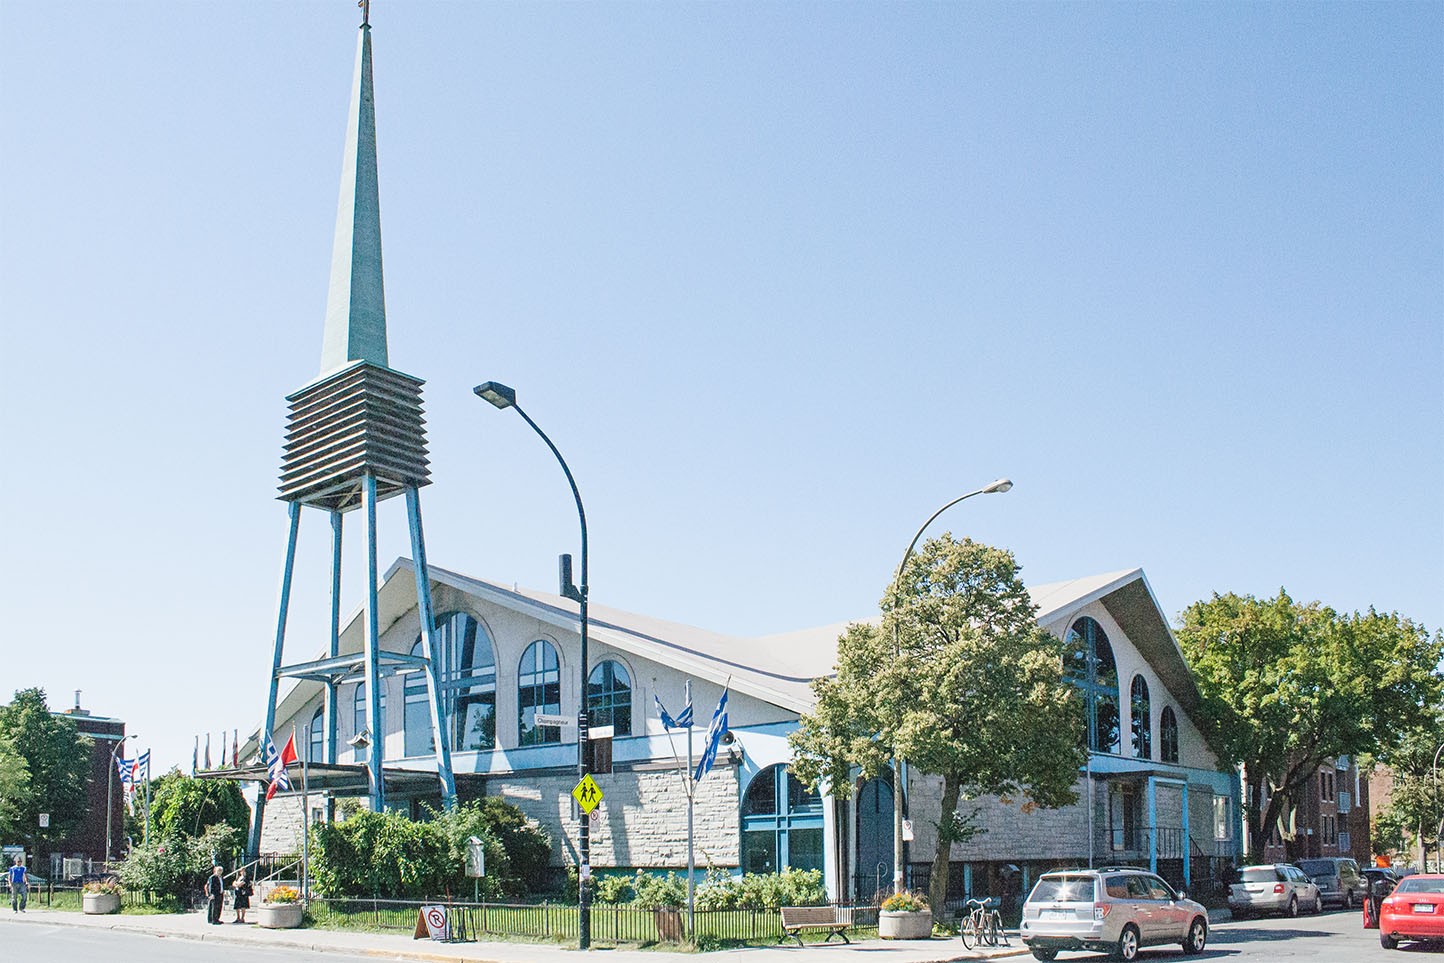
{"x":19,"y":885}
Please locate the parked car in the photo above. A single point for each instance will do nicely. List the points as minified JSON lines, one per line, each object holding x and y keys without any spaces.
{"x":1273,"y":888}
{"x":1414,"y":911}
{"x":1339,"y":879}
{"x":1113,"y":909}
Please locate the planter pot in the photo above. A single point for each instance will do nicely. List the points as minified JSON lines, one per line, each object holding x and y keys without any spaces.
{"x":903,"y":925}
{"x":98,"y":904}
{"x":279,"y":916}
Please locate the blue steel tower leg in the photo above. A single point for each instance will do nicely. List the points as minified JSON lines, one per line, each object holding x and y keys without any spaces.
{"x":374,"y":722}
{"x":431,"y":649}
{"x":253,"y":847}
{"x":335,"y":648}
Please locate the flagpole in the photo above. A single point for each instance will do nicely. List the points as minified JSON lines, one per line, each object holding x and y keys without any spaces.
{"x":691,"y":787}
{"x":147,"y":796}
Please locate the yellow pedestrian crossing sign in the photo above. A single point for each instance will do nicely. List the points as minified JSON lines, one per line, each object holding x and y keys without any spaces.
{"x":587,"y":794}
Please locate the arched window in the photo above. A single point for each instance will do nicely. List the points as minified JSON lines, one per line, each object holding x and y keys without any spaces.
{"x":609,"y":698}
{"x":538,"y":690}
{"x":1088,"y":663}
{"x":1140,"y":711}
{"x":781,"y":823}
{"x":317,"y":744}
{"x":468,"y":681}
{"x":1168,"y":735}
{"x":360,"y":720}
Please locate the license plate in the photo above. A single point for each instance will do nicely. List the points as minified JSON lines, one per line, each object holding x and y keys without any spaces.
{"x":1423,"y":907}
{"x":1055,"y":914}
{"x":1253,"y":889}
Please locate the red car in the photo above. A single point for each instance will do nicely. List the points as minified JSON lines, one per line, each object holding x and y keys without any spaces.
{"x":1414,"y":911}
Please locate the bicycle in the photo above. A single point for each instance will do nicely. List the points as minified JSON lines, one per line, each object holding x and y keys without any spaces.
{"x":982,"y":925}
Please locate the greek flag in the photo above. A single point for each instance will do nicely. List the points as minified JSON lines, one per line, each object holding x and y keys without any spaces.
{"x":715,"y":729}
{"x":276,"y":764}
{"x":142,"y":768}
{"x":126,"y":768}
{"x":683,"y":721}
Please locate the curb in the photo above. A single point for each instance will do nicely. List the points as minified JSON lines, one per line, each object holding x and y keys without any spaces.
{"x":57,"y":919}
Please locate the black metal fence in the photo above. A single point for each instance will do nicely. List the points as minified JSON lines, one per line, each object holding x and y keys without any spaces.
{"x":611,"y":923}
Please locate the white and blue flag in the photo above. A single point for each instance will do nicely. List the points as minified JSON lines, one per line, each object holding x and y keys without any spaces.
{"x":683,"y":721}
{"x":142,"y":768}
{"x":715,"y":729}
{"x":126,"y":768}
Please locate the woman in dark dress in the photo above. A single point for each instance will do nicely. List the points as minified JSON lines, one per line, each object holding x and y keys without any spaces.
{"x":242,"y":891}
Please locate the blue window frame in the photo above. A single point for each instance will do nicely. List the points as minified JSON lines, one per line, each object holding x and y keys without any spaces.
{"x":538,"y":690}
{"x":1168,"y":735}
{"x":317,"y":747}
{"x":1140,"y":718}
{"x":360,"y":720}
{"x":609,"y":698}
{"x":1088,"y":663}
{"x":781,"y":823}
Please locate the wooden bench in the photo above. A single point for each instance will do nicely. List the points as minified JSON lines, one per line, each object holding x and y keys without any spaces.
{"x":834,"y":919}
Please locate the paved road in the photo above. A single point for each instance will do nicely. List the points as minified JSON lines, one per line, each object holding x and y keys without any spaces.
{"x":1331,"y":937}
{"x":74,"y":943}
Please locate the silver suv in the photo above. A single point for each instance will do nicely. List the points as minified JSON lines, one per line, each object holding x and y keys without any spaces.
{"x":1115,"y":909}
{"x":1273,"y":888}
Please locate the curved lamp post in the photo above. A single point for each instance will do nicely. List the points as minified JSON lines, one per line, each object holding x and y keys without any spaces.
{"x":504,"y":397}
{"x":109,"y":790}
{"x":1001,"y":485}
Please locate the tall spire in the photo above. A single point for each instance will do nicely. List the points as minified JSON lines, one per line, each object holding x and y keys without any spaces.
{"x":356,"y":304}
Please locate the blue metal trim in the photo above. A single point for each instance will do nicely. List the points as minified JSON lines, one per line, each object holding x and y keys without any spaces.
{"x":1187,"y":878}
{"x":1152,"y":824}
{"x":430,"y":647}
{"x":283,"y":604}
{"x":372,"y":645}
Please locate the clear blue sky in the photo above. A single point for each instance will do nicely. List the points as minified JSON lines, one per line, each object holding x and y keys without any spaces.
{"x":779,"y":278}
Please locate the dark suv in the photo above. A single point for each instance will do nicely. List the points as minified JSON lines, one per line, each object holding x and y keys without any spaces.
{"x":1339,"y":880}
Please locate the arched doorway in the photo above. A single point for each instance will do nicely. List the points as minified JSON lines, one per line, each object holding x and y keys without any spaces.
{"x":873,"y":868}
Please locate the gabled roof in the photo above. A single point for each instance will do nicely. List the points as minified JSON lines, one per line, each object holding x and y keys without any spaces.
{"x":779,"y":668}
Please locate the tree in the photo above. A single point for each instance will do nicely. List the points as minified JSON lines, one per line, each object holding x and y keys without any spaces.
{"x":974,"y":693}
{"x":1416,"y":804}
{"x":1286,"y":686}
{"x":56,"y":760}
{"x":14,"y":790}
{"x":181,"y":804}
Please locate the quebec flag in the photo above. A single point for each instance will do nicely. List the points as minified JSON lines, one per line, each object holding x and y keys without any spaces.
{"x":715,"y":729}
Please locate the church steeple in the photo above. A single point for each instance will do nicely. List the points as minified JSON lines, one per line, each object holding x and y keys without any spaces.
{"x":356,"y":303}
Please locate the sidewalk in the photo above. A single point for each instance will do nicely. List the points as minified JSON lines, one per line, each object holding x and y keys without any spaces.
{"x":192,"y":926}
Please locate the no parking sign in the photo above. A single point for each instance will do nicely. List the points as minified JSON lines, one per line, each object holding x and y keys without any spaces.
{"x":433,"y":922}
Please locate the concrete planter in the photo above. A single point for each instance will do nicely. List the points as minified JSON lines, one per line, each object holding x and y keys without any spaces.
{"x":905,"y":925}
{"x":99,"y":904}
{"x":279,"y":916}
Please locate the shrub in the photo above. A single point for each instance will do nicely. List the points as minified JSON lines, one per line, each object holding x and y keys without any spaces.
{"x":642,"y":889}
{"x":791,"y":887}
{"x":387,"y":854}
{"x":176,"y":866}
{"x":905,"y":902}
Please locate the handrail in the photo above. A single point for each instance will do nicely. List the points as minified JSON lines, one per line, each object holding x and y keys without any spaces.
{"x":260,"y":859}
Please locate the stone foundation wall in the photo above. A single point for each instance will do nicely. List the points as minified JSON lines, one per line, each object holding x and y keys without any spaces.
{"x":284,"y":823}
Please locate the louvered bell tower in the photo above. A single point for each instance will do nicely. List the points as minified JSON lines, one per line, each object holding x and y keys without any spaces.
{"x":355,"y":437}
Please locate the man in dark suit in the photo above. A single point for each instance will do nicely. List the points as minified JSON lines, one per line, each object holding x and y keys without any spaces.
{"x":215,"y":896}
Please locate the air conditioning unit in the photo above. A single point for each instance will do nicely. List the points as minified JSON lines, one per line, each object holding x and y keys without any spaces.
{"x":1346,"y":802}
{"x":1343,"y":842}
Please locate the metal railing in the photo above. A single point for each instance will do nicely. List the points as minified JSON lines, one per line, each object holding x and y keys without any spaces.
{"x":610,"y":923}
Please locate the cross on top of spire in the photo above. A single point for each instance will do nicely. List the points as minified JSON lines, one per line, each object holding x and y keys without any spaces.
{"x":365,"y":6}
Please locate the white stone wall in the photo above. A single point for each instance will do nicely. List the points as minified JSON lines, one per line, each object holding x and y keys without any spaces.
{"x":1008,"y":832}
{"x":643,"y":818}
{"x":282,"y":829}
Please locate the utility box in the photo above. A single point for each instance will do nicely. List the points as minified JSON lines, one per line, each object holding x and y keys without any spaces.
{"x":475,"y":857}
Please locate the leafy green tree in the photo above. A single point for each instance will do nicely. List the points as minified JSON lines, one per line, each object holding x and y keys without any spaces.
{"x":14,"y":790}
{"x":1416,"y":804}
{"x":57,"y":764}
{"x":181,"y":804}
{"x":1286,"y":686}
{"x":974,"y":693}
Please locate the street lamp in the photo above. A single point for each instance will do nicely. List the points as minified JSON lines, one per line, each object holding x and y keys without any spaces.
{"x":109,"y":788}
{"x":1001,"y":485}
{"x":503,"y":397}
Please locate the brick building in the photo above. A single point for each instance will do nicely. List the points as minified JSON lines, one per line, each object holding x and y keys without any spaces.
{"x":1332,"y":817}
{"x":87,"y":840}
